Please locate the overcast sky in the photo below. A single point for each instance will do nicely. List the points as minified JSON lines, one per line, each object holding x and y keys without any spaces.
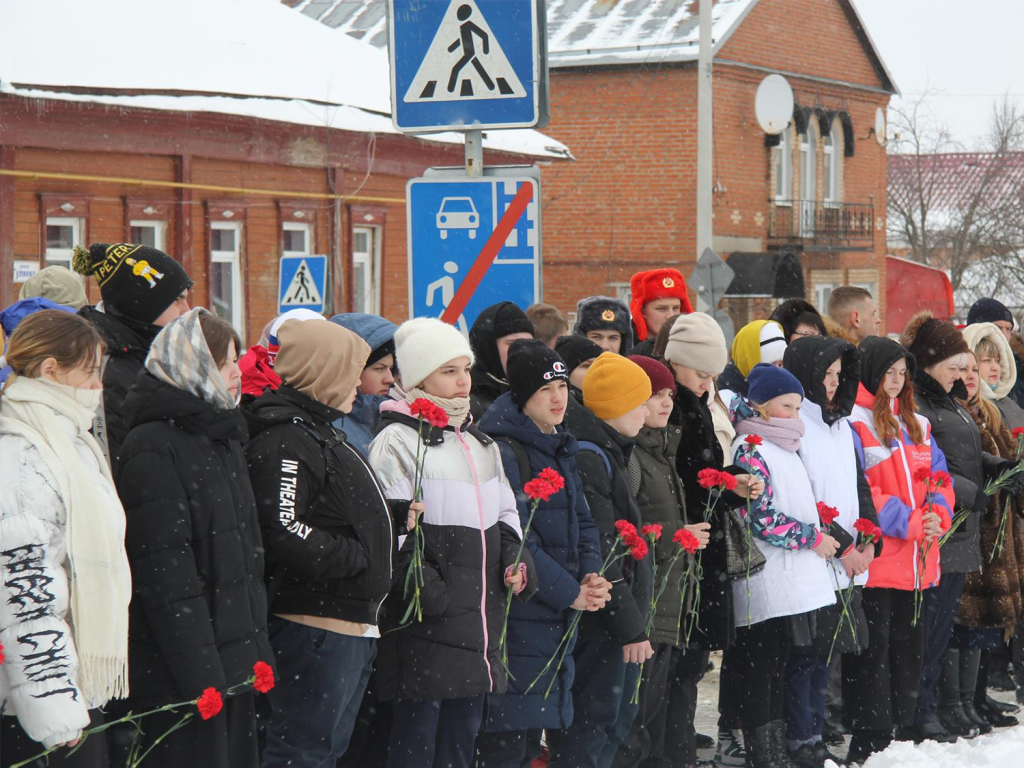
{"x":968,"y":52}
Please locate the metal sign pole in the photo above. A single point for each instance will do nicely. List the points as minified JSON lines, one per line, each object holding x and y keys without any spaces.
{"x":474,"y":154}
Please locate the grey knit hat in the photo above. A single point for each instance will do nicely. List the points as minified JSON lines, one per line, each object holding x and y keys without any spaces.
{"x":696,"y":341}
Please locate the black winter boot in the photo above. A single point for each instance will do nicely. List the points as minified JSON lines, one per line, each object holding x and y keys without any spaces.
{"x":863,"y":744}
{"x":781,"y":749}
{"x":759,"y":744}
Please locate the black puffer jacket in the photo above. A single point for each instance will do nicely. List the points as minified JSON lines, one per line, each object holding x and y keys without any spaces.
{"x":624,"y":618}
{"x":198,"y":615}
{"x":957,"y":435}
{"x":488,"y":376}
{"x":128,"y":343}
{"x":700,"y":449}
{"x":325,"y":522}
{"x":660,"y":498}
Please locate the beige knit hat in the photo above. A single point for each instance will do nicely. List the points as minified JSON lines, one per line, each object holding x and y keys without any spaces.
{"x":696,"y":341}
{"x":58,"y":284}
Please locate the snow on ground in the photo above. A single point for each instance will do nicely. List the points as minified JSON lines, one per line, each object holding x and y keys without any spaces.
{"x":1003,"y":748}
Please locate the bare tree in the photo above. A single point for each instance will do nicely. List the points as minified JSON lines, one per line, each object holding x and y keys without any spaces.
{"x":951,"y":209}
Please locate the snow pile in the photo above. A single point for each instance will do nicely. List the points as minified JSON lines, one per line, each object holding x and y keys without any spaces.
{"x":1002,"y":749}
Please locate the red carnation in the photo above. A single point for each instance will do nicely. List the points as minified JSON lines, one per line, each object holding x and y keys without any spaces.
{"x":943,"y":478}
{"x":552,"y":478}
{"x":1018,"y":432}
{"x":538,"y":489}
{"x":1,"y":653}
{"x":754,"y":440}
{"x":626,"y":530}
{"x":827,"y":514}
{"x":210,"y":703}
{"x":923,"y":475}
{"x":727,"y":481}
{"x":638,"y":549}
{"x":708,"y":478}
{"x":686,"y":540}
{"x":867,"y":529}
{"x":651,"y":530}
{"x":264,"y":676}
{"x":430,"y":412}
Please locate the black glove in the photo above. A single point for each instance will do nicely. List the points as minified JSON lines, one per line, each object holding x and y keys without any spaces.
{"x":1016,"y":484}
{"x":980,"y":501}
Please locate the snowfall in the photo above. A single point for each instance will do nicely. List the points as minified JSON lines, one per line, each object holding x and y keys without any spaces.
{"x":1003,"y":748}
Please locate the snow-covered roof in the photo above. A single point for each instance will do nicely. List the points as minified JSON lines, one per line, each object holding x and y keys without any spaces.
{"x":254,"y":58}
{"x":949,"y":180}
{"x":579,"y":31}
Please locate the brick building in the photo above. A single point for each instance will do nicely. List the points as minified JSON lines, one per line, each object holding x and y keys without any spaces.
{"x":212,"y":149}
{"x":624,"y":98}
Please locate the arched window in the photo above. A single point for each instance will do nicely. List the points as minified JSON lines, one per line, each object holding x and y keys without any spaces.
{"x":808,"y":179}
{"x":833,"y":162}
{"x":782,"y":162}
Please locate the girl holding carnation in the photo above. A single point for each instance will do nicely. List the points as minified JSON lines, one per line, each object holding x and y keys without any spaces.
{"x":774,"y":608}
{"x":828,"y":369}
{"x":896,"y":449}
{"x":437,"y":670}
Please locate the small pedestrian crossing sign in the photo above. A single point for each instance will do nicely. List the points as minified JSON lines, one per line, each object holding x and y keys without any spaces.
{"x":302,"y":283}
{"x":464,"y":61}
{"x":467,"y":64}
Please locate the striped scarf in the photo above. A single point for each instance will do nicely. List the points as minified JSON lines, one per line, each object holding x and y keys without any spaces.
{"x":180,"y":357}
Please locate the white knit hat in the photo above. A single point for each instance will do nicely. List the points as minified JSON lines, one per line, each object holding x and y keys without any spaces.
{"x":424,"y":344}
{"x":696,"y":341}
{"x":773,"y":343}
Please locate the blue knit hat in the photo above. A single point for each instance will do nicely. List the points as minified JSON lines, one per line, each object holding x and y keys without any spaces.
{"x":767,"y":381}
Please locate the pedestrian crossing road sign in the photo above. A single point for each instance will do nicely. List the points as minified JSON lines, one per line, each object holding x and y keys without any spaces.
{"x":302,"y":283}
{"x":467,"y":64}
{"x":472,"y":243}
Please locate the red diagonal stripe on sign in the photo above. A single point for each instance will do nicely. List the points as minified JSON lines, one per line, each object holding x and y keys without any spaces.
{"x":489,"y":253}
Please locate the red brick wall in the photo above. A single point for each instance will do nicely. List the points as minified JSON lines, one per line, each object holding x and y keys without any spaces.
{"x":629,"y":200}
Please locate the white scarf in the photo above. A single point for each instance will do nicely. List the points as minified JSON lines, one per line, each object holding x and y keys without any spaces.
{"x":101,"y":585}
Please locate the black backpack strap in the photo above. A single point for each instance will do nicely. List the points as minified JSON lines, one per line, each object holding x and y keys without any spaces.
{"x":519,"y":451}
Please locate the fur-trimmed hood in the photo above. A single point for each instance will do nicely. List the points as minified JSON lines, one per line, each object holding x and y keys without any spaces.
{"x":973,"y":335}
{"x":836,"y":331}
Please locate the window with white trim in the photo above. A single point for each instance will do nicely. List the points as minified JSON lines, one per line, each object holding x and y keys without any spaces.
{"x":149,"y":232}
{"x":366,"y":270}
{"x":782,"y":163}
{"x":808,"y":187}
{"x":226,"y":272}
{"x":821,"y":293}
{"x":833,"y":157}
{"x":297,"y":238}
{"x":62,"y":235}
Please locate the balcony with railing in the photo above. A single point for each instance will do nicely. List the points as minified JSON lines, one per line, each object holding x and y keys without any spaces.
{"x":814,"y":225}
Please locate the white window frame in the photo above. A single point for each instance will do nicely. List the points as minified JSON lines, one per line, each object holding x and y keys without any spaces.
{"x":621,"y":291}
{"x":782,"y":162}
{"x":821,"y":298}
{"x":808,"y":179}
{"x":63,"y":256}
{"x":160,"y":231}
{"x":832,"y":164}
{"x":371,"y":260}
{"x":234,"y":258}
{"x":298,"y":226}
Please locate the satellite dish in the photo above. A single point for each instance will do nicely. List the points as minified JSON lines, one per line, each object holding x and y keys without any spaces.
{"x":880,"y":126}
{"x":773,"y":104}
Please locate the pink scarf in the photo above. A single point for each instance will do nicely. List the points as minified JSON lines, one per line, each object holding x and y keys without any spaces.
{"x":785,"y":433}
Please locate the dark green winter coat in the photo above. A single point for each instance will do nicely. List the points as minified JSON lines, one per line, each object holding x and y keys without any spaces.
{"x":661,"y":501}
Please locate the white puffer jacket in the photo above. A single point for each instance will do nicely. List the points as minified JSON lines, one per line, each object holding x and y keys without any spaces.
{"x":37,"y":679}
{"x":829,"y":455}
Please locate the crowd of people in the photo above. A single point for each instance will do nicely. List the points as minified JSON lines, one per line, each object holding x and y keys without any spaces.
{"x":175,"y":510}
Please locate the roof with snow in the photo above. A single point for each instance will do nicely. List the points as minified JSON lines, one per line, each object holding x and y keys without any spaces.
{"x":949,"y":180}
{"x":594,"y":32}
{"x":254,"y":58}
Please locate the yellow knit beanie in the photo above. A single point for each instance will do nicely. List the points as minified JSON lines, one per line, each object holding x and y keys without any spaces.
{"x":615,"y":385}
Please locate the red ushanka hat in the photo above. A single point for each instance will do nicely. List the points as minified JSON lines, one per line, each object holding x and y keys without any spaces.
{"x":656,"y":284}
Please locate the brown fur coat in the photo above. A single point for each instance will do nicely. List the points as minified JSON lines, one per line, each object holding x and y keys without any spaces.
{"x":994,"y":597}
